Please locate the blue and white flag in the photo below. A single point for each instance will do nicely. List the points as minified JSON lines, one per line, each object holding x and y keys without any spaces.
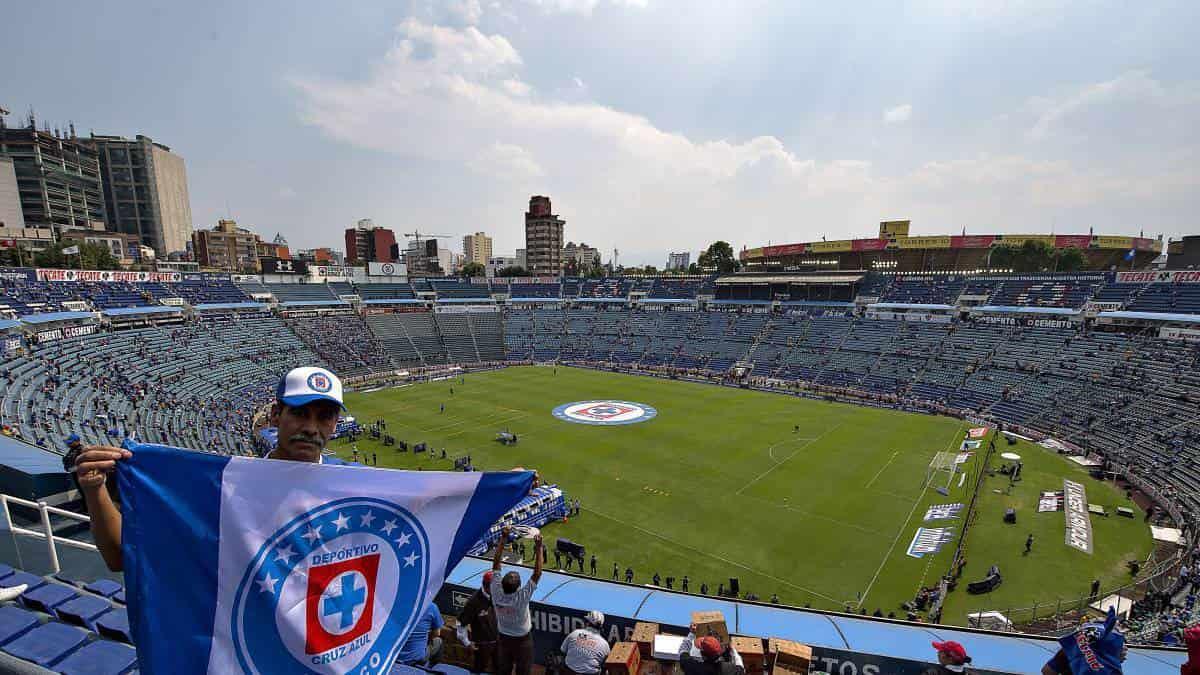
{"x":240,"y":565}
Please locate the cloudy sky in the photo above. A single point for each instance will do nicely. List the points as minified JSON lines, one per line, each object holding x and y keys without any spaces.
{"x":654,"y":125}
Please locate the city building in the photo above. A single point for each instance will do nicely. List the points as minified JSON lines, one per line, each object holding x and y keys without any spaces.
{"x":498,"y":262}
{"x":477,"y":248}
{"x":543,"y":238}
{"x":277,"y":248}
{"x":145,"y":191}
{"x":227,"y":247}
{"x":58,"y":177}
{"x":521,"y":259}
{"x":422,"y":257}
{"x":578,"y":259}
{"x":10,"y":198}
{"x":321,"y":256}
{"x":894,"y":250}
{"x":126,"y":248}
{"x":678,"y":261}
{"x":367,"y":242}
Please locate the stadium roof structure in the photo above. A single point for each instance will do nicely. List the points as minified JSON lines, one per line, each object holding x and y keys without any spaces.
{"x":617,"y":299}
{"x":51,"y":317}
{"x":214,"y":306}
{"x":315,"y":303}
{"x":1006,"y":309}
{"x":740,"y":302}
{"x":668,"y":301}
{"x":999,"y":652}
{"x":5,"y":324}
{"x":1150,"y":316}
{"x":466,"y":301}
{"x":395,"y":301}
{"x":30,"y":472}
{"x":909,"y":305}
{"x":141,"y":311}
{"x":843,"y":278}
{"x":535,"y":299}
{"x":817,"y":303}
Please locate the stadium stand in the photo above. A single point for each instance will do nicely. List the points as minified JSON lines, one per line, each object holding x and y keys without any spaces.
{"x":301,"y":292}
{"x":343,"y":341}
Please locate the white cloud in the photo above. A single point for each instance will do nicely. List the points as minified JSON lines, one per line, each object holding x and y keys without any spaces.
{"x":898,"y":115}
{"x":584,"y":6}
{"x":465,"y":11}
{"x":457,"y":96}
{"x":1134,"y":88}
{"x":286,"y":192}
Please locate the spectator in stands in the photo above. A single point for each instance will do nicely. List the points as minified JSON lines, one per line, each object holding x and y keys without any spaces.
{"x":952,"y":658}
{"x":307,"y":403}
{"x":585,"y":648}
{"x":1191,"y":637}
{"x":420,"y":650}
{"x":707,"y":656}
{"x":477,"y":625}
{"x":511,"y":600}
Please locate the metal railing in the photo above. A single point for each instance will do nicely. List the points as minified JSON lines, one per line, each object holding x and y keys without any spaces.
{"x":47,"y":530}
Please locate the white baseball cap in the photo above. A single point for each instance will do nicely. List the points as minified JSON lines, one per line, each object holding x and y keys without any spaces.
{"x":301,"y":386}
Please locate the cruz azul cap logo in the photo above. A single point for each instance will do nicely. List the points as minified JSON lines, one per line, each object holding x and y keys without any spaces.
{"x":332,"y":591}
{"x":604,"y":412}
{"x":319,"y":382}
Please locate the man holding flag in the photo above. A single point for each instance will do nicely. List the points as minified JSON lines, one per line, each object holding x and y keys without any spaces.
{"x":237,"y":564}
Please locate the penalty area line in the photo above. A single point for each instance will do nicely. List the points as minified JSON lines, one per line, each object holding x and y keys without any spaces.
{"x":886,"y":465}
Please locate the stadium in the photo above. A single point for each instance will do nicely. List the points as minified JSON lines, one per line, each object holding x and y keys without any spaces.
{"x":857,"y":461}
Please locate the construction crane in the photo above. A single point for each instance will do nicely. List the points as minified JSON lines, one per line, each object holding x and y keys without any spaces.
{"x":418,"y":234}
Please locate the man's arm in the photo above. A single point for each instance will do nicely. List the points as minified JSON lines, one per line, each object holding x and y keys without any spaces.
{"x":500,"y":547}
{"x":91,"y":470}
{"x":537,"y":565}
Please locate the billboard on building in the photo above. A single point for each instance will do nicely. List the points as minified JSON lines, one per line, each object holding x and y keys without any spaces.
{"x":377,"y":269}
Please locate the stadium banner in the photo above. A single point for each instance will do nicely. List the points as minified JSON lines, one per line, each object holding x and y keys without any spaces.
{"x":466,"y":309}
{"x":929,"y":540}
{"x":1028,"y":321}
{"x":290,"y":566}
{"x":869,"y":244}
{"x":1094,"y":306}
{"x":1072,"y":240}
{"x":11,"y":345}
{"x":1079,"y":524}
{"x":782,"y":249}
{"x":18,"y":274}
{"x":915,"y":317}
{"x":894,"y":228}
{"x":943,"y":512}
{"x":1160,"y":277}
{"x":1122,"y":243}
{"x":1146,"y":244}
{"x":1020,"y":239}
{"x":244,"y":278}
{"x":56,"y":334}
{"x":749,"y":253}
{"x":972,"y":241}
{"x":922,"y":242}
{"x":830,"y":246}
{"x":378,"y":269}
{"x":1185,"y":334}
{"x":977,"y":432}
{"x":108,"y":276}
{"x":211,"y":276}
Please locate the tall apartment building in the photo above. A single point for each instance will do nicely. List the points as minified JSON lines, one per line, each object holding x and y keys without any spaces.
{"x":543,"y":238}
{"x":10,"y":197}
{"x":679,"y":261}
{"x":477,"y":248}
{"x":227,"y":247}
{"x":366,"y":242}
{"x":145,"y":191}
{"x":581,"y":256}
{"x":58,"y":177}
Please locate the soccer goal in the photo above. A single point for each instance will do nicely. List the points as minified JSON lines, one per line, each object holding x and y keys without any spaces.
{"x":943,"y":462}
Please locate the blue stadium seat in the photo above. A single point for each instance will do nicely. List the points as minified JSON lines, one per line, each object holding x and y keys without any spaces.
{"x":99,"y":658}
{"x":104,"y":587}
{"x":119,"y":596}
{"x":83,"y":610}
{"x":5,"y":570}
{"x":18,"y":577}
{"x":15,"y":621}
{"x":115,"y":625}
{"x":448,"y":669}
{"x":47,"y":597}
{"x":46,"y":644}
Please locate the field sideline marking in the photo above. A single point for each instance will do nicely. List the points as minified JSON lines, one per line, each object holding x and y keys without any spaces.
{"x":886,"y":465}
{"x":784,"y":461}
{"x":900,"y":533}
{"x":713,"y":556}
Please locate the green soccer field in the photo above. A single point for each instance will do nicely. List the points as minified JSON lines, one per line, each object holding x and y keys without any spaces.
{"x":721,"y":484}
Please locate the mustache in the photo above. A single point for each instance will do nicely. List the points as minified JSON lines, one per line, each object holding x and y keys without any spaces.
{"x":307,"y":438}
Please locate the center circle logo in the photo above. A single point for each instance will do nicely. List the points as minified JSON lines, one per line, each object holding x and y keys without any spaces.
{"x":605,"y":412}
{"x":332,"y":591}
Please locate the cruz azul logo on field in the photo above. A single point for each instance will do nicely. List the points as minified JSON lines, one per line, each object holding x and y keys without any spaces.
{"x":332,"y":591}
{"x":604,"y":412}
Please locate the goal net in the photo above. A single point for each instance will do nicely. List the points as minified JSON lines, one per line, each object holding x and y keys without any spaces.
{"x":943,"y":464}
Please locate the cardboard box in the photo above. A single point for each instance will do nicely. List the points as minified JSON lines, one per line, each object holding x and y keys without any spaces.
{"x":791,"y":655}
{"x":752,"y":653}
{"x":711,"y":623}
{"x":643,"y":635}
{"x":624,"y":659}
{"x":787,"y":670}
{"x":650,"y":667}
